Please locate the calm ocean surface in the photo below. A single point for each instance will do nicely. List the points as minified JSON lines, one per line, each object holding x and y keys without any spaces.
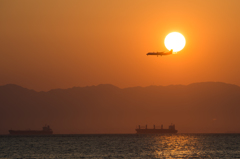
{"x":121,"y":146}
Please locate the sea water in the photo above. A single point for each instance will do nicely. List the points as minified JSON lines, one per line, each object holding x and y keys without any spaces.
{"x":121,"y":146}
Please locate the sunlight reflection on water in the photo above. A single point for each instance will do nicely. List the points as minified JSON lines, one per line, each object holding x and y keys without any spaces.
{"x":175,"y":146}
{"x":121,"y":146}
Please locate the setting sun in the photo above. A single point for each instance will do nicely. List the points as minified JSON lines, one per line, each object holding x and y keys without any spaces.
{"x":175,"y":41}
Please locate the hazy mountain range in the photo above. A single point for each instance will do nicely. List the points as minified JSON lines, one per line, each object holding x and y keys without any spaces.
{"x":207,"y":107}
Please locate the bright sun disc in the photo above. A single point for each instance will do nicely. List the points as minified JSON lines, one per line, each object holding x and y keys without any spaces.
{"x":175,"y":41}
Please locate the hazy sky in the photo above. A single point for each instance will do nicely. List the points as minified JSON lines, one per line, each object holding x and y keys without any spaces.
{"x":64,"y":43}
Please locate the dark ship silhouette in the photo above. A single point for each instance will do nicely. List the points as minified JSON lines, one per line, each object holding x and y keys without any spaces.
{"x":145,"y":130}
{"x":45,"y":131}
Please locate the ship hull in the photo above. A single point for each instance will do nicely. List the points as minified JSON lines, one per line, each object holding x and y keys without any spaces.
{"x":155,"y":131}
{"x":29,"y":132}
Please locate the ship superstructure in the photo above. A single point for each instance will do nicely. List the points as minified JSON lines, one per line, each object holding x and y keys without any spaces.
{"x":145,"y":130}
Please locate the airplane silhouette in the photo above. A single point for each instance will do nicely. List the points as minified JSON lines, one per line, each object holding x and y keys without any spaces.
{"x":161,"y":53}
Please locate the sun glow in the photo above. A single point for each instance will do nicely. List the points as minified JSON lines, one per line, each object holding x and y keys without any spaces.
{"x":175,"y":41}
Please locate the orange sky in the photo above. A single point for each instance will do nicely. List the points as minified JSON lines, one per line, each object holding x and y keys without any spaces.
{"x":60,"y":44}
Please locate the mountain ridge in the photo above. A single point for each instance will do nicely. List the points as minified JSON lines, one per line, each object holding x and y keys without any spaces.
{"x":113,"y":86}
{"x":207,"y":107}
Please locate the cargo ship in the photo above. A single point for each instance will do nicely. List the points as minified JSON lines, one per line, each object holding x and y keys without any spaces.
{"x":145,"y":130}
{"x":45,"y":131}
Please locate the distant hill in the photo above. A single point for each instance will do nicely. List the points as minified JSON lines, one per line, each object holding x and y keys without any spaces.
{"x":209,"y":107}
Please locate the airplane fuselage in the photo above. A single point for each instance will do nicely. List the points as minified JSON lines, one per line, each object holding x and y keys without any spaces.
{"x":160,"y":53}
